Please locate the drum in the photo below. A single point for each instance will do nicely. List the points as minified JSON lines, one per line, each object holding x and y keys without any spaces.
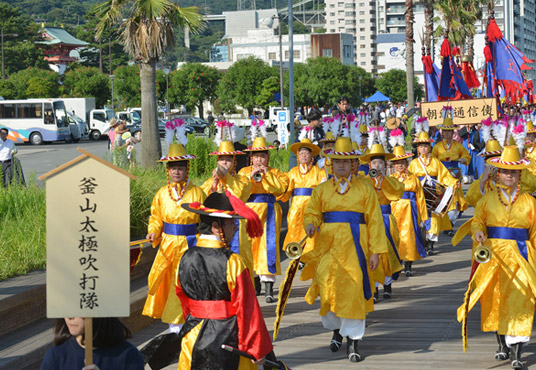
{"x":447,"y":197}
{"x":456,"y":172}
{"x":438,"y":197}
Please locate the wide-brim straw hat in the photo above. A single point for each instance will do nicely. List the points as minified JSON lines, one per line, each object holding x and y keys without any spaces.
{"x":447,"y":125}
{"x":259,"y":145}
{"x":377,"y":150}
{"x":176,"y":152}
{"x":530,"y":128}
{"x":342,"y":149}
{"x":423,"y":138}
{"x":216,"y":205}
{"x":329,"y":137}
{"x":509,"y":159}
{"x":493,"y":149}
{"x":114,"y":121}
{"x":227,"y":148}
{"x":399,"y":154}
{"x":305,"y":143}
{"x":392,"y":123}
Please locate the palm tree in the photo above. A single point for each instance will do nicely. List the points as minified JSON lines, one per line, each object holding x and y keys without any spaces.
{"x":428,"y":25}
{"x":410,"y":73}
{"x":146,"y":30}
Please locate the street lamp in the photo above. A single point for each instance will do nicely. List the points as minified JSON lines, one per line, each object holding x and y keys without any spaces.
{"x":112,"y":78}
{"x":360,"y":97}
{"x":166,"y":71}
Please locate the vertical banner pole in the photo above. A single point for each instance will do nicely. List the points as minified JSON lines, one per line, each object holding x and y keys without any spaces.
{"x":89,"y":340}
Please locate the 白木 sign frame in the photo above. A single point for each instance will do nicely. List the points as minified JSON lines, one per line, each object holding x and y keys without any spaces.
{"x":88,"y":235}
{"x":466,"y":112}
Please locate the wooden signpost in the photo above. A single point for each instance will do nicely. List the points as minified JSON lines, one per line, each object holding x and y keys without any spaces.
{"x":466,"y":112}
{"x":88,"y":235}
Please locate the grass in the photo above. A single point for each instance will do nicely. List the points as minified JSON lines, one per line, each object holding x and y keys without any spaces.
{"x":23,"y":212}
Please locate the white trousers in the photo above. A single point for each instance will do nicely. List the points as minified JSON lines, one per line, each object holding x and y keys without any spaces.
{"x":432,"y":237}
{"x":512,"y":339}
{"x":267,"y":278}
{"x":351,"y":328}
{"x":388,"y":280}
{"x":175,"y":328}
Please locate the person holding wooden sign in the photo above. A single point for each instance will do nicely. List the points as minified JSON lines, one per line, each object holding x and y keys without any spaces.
{"x":215,"y":289}
{"x":111,"y":349}
{"x":176,"y":228}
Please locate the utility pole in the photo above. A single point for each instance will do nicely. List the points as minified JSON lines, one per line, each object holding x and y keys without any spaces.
{"x":281,"y":92}
{"x":100,"y":55}
{"x":3,"y":73}
{"x":110,"y":54}
{"x":292,"y":160}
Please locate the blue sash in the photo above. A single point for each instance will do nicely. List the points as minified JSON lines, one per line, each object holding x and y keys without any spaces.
{"x":386,"y":211}
{"x":187,"y":230}
{"x":364,"y":167}
{"x":451,"y":164}
{"x":302,"y":192}
{"x":271,"y":248}
{"x":428,"y":223}
{"x":235,"y":243}
{"x":415,"y":220}
{"x":354,"y":219}
{"x":519,"y":235}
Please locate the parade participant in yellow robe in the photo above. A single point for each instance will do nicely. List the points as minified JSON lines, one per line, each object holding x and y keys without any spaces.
{"x":346,"y":212}
{"x":451,"y":153}
{"x":426,"y":167}
{"x":530,"y":147}
{"x":364,"y":165}
{"x":224,"y":177}
{"x":177,"y":229}
{"x":388,"y":189}
{"x":325,"y":163}
{"x":267,"y":185}
{"x":505,"y":221}
{"x":302,"y":180}
{"x":410,"y":211}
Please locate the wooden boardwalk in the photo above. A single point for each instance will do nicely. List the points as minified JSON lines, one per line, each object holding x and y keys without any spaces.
{"x":415,"y":329}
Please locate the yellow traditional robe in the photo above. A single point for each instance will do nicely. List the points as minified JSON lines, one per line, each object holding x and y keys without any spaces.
{"x":274,"y":182}
{"x":402,"y":212}
{"x":530,"y":153}
{"x":388,"y":189}
{"x":454,"y":153}
{"x":162,"y":301}
{"x":338,"y":277}
{"x":298,"y":203}
{"x":435,"y":169}
{"x":240,"y":187}
{"x":324,"y":164}
{"x":506,"y":285}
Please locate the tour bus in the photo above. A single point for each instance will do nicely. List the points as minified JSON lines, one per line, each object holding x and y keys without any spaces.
{"x":35,"y":120}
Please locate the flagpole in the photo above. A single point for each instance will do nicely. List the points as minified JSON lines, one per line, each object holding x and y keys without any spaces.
{"x":424,"y":73}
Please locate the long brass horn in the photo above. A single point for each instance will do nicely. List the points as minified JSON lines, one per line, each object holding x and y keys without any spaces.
{"x":482,"y":254}
{"x":294,"y":250}
{"x":373,"y":173}
{"x":257,"y":176}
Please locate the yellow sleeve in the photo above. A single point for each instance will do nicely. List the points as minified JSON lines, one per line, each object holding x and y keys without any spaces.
{"x":155,"y":220}
{"x":479,"y":219}
{"x":392,"y":188}
{"x":528,"y":182}
{"x":275,"y":182}
{"x":377,"y":240}
{"x":238,"y":185}
{"x":207,"y":186}
{"x":436,"y":151}
{"x":464,"y":154}
{"x":285,"y":197}
{"x":474,"y":193}
{"x":444,"y":176}
{"x":313,"y":212}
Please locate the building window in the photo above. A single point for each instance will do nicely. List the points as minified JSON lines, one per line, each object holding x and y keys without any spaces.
{"x":362,"y":46}
{"x":363,"y":63}
{"x":271,"y":56}
{"x":332,"y":30}
{"x":332,"y":5}
{"x":349,"y":5}
{"x":361,"y":12}
{"x":331,"y":22}
{"x":332,"y":14}
{"x":361,"y":21}
{"x":347,"y":50}
{"x":296,"y":54}
{"x":363,"y":55}
{"x":361,"y":5}
{"x":349,"y":14}
{"x":327,"y":52}
{"x":340,"y":5}
{"x":349,"y":21}
{"x":361,"y":37}
{"x":361,"y":30}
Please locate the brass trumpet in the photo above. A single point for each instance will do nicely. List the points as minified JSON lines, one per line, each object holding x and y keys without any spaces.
{"x":482,"y":254}
{"x":373,"y":173}
{"x":257,"y":176}
{"x":294,"y":250}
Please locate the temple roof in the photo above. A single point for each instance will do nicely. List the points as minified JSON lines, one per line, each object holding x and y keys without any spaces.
{"x":56,"y":36}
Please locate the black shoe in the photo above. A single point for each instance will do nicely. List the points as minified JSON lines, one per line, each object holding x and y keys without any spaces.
{"x":516,"y":355}
{"x":503,"y":353}
{"x":269,"y":292}
{"x":351,"y":350}
{"x":257,"y":281}
{"x":407,"y":268}
{"x":336,"y":341}
{"x":376,"y":296}
{"x":301,"y":265}
{"x":450,"y":233}
{"x":387,"y":292}
{"x":430,"y":247}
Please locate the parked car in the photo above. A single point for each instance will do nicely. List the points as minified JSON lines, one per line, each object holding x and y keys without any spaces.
{"x":199,"y":125}
{"x":162,"y":128}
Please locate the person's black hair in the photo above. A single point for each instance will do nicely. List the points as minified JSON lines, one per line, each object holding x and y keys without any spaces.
{"x":216,"y":201}
{"x":305,"y":148}
{"x":343,"y":98}
{"x":107,"y":332}
{"x":178,"y":163}
{"x":4,"y":129}
{"x":313,"y":116}
{"x":378,"y":157}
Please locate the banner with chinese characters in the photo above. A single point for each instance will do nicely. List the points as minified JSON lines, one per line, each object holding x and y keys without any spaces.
{"x":466,"y":112}
{"x":88,"y":229}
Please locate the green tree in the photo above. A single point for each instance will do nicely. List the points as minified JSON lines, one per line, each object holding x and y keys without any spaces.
{"x":269,"y":88}
{"x":194,"y":84}
{"x":240,"y":85}
{"x":7,"y":91}
{"x":323,"y":82}
{"x":88,"y":82}
{"x":393,"y":84}
{"x":127,"y":86}
{"x":25,"y":83}
{"x":362,"y":85}
{"x":146,"y":32}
